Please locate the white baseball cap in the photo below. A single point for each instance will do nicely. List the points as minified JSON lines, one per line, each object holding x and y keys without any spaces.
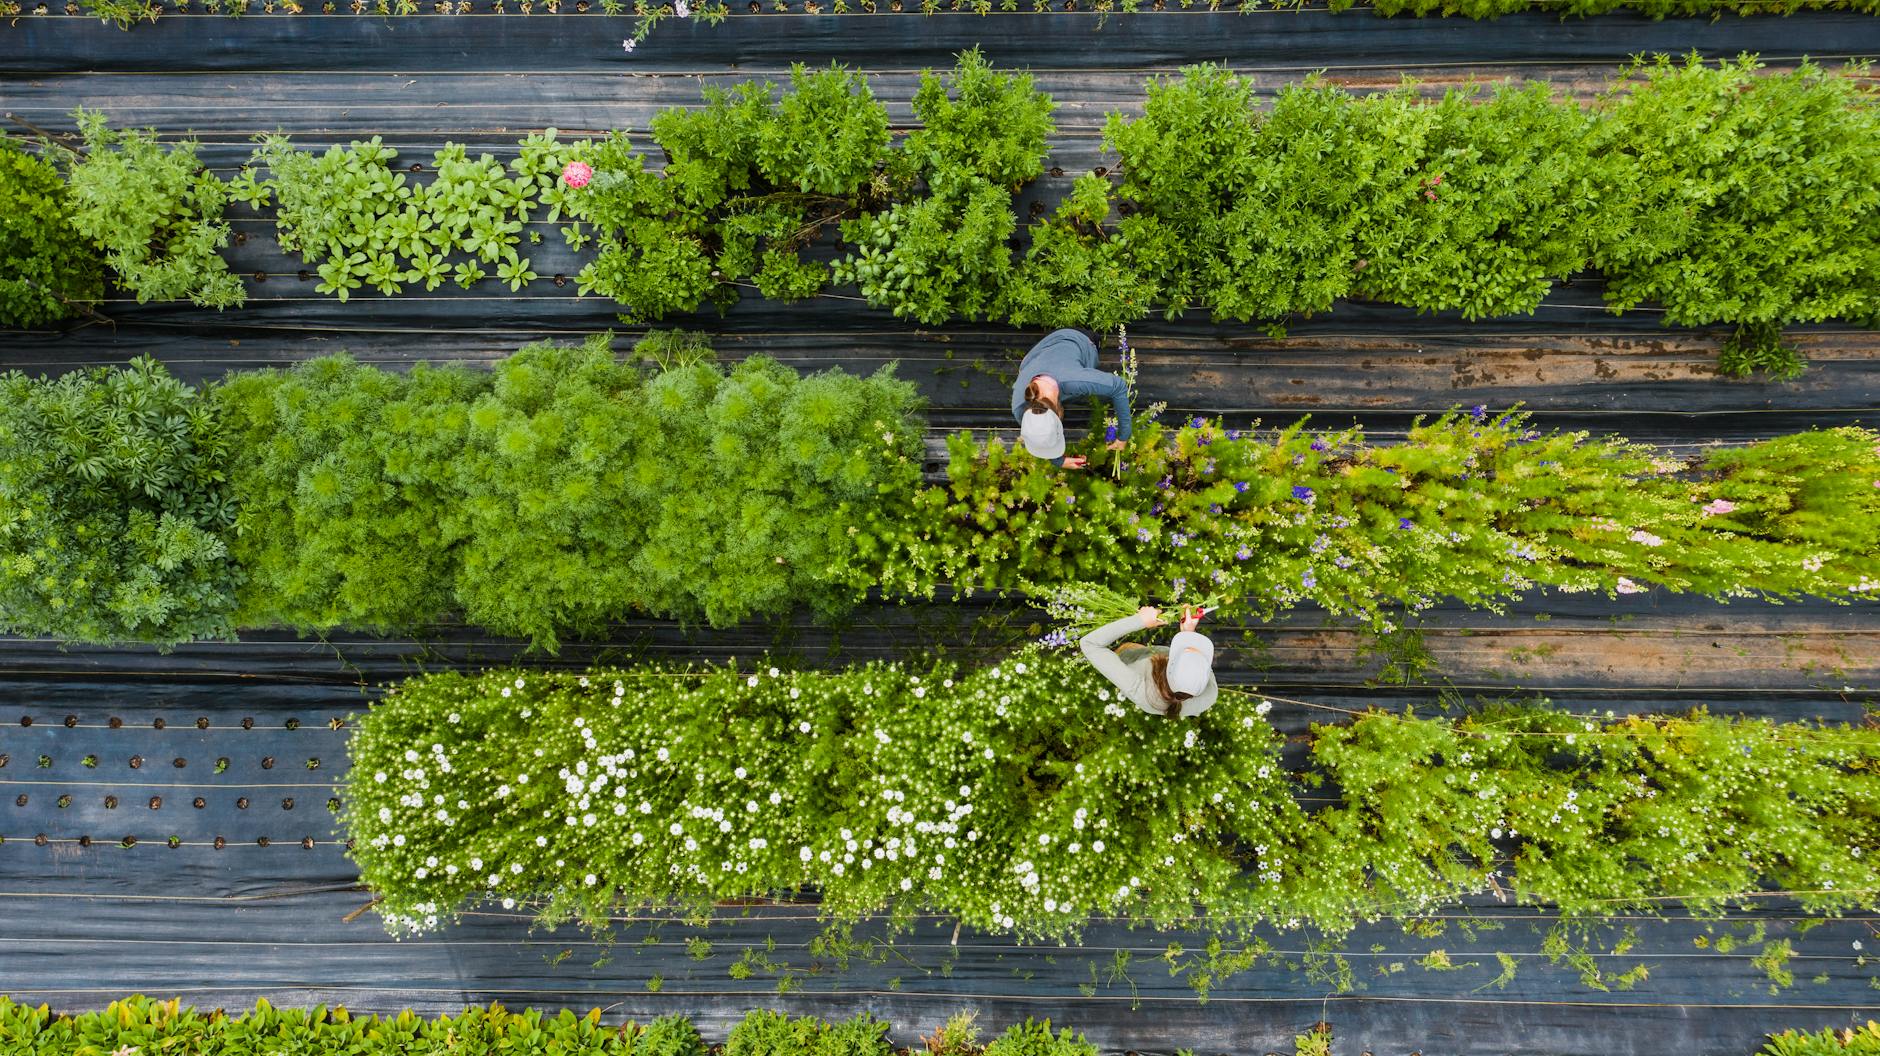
{"x":1190,"y":662}
{"x":1043,"y":434}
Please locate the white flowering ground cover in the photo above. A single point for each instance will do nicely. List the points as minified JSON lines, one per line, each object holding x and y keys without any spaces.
{"x":1022,"y":798}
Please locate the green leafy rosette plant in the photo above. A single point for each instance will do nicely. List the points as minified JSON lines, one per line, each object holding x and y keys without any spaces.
{"x":155,"y":213}
{"x":47,"y":269}
{"x":115,"y":509}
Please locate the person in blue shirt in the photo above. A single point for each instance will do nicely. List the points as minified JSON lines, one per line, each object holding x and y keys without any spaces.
{"x":1063,"y":367}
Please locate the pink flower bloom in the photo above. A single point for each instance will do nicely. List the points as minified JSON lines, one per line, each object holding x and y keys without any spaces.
{"x":1717,"y":506}
{"x":577,"y":174}
{"x":1626,"y":586}
{"x":1643,"y":536}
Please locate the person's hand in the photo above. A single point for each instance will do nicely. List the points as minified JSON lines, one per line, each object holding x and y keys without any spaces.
{"x":1150,"y":616}
{"x":1073,"y":462}
{"x":1118,"y":445}
{"x":1191,"y":619}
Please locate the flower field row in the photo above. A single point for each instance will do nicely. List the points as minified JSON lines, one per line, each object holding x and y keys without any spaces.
{"x":1722,"y":195}
{"x":1021,"y":798}
{"x":141,"y":1025}
{"x":565,"y":489}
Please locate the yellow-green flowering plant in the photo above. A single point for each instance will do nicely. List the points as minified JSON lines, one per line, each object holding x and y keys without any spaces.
{"x":1471,"y":506}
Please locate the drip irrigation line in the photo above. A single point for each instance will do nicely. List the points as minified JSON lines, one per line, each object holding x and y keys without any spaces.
{"x":239,"y":786}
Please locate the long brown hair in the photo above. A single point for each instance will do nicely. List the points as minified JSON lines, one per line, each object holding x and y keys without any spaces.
{"x":1158,"y":673}
{"x":1036,"y":401}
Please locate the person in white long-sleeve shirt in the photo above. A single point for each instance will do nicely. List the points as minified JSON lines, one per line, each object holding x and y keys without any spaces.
{"x":1176,"y":681}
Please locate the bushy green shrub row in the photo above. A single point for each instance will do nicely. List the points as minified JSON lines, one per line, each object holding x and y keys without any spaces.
{"x":1469,"y":506}
{"x":556,"y":492}
{"x":1025,"y":797}
{"x":1720,"y":194}
{"x":140,"y":1024}
{"x":47,"y":270}
{"x":564,"y":489}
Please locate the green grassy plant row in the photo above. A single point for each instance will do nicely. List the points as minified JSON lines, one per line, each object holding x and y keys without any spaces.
{"x":566,"y":488}
{"x":1024,"y":798}
{"x":1708,"y":191}
{"x":142,"y":1025}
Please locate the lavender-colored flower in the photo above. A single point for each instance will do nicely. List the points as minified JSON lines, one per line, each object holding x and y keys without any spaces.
{"x":1303,"y":493}
{"x":1109,"y":433}
{"x":1142,"y":535}
{"x":1214,"y":507}
{"x":1175,"y":587}
{"x":1165,"y":482}
{"x":1308,"y":580}
{"x":1242,"y":554}
{"x":1156,"y":510}
{"x":1057,"y":639}
{"x":1318,"y":445}
{"x":1207,"y":469}
{"x":1240,"y":486}
{"x":1197,"y":421}
{"x":1342,"y":561}
{"x":1204,"y":439}
{"x":1341,"y":521}
{"x":1233,"y":434}
{"x":1178,"y":539}
{"x":1404,"y":524}
{"x":1479,"y":412}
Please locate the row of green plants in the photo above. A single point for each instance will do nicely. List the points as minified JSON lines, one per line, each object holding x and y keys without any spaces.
{"x":562,"y":489}
{"x":568,"y":486}
{"x":142,"y":1025}
{"x":1024,"y":798}
{"x":1710,"y":191}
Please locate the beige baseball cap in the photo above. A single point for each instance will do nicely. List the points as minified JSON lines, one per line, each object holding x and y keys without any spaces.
{"x":1190,"y":662}
{"x":1043,"y":434}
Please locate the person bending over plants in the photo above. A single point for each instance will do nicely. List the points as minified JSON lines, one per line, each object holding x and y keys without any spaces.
{"x":1063,"y":365}
{"x":1176,"y":681}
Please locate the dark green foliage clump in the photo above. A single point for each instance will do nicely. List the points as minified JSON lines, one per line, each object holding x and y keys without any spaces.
{"x":46,"y":268}
{"x":946,"y":253}
{"x":1752,"y":200}
{"x":751,"y":183}
{"x":114,"y":508}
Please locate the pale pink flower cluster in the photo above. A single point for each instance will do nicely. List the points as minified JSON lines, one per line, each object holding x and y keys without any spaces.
{"x":577,"y":174}
{"x":1626,"y":586}
{"x":1643,"y":536}
{"x":1717,"y":506}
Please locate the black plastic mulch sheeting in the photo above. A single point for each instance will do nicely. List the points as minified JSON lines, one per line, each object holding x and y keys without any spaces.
{"x":221,"y":927}
{"x":591,"y":44}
